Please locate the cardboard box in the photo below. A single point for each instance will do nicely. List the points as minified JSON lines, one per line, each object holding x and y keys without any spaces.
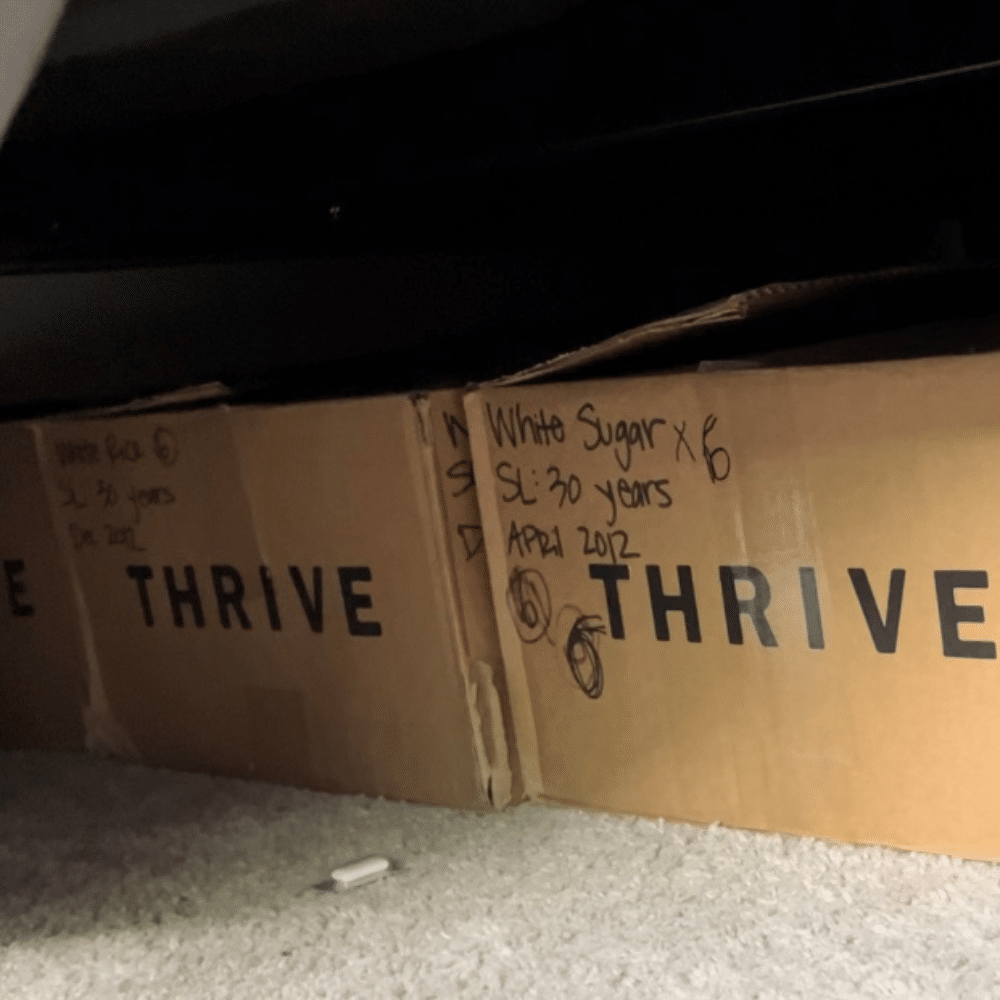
{"x":760,"y":597}
{"x":294,"y":592}
{"x":42,"y":675}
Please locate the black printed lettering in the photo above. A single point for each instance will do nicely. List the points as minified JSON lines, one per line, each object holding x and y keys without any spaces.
{"x":609,"y":575}
{"x":178,"y":598}
{"x":349,"y":575}
{"x":142,"y":575}
{"x":946,"y":582}
{"x":12,"y":569}
{"x":312,"y":606}
{"x":270,"y":601}
{"x":684,"y":602}
{"x":230,"y":596}
{"x":885,"y":632}
{"x":753,"y":607}
{"x":810,"y":605}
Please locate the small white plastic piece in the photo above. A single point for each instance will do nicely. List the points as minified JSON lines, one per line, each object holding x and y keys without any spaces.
{"x":359,"y":873}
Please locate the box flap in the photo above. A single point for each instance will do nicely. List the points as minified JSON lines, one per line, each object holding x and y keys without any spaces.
{"x":783,"y":315}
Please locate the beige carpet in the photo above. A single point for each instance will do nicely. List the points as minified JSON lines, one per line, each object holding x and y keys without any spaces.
{"x":118,"y":881}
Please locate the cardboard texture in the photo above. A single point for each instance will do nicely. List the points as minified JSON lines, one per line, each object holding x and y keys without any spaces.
{"x":286,"y":592}
{"x":759,"y":597}
{"x":42,"y":675}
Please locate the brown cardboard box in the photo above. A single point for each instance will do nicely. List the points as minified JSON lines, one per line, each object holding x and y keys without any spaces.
{"x":760,"y":597}
{"x":293,"y":592}
{"x":42,"y":676}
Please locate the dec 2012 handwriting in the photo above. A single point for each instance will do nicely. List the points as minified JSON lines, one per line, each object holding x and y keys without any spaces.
{"x":575,"y":633}
{"x":105,"y":494}
{"x":83,"y":537}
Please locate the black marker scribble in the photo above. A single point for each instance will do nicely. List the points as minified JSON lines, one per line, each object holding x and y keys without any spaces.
{"x":529,"y":603}
{"x":531,"y":608}
{"x":583,"y":656}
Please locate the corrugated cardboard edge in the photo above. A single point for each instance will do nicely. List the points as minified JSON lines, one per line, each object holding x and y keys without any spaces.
{"x":493,"y":755}
{"x":510,"y":643}
{"x":103,"y":735}
{"x":736,"y":308}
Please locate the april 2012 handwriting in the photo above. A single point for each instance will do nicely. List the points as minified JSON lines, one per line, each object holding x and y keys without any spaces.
{"x":531,"y":540}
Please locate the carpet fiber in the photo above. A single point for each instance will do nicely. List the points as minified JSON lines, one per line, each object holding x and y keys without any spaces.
{"x":121,"y":881}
